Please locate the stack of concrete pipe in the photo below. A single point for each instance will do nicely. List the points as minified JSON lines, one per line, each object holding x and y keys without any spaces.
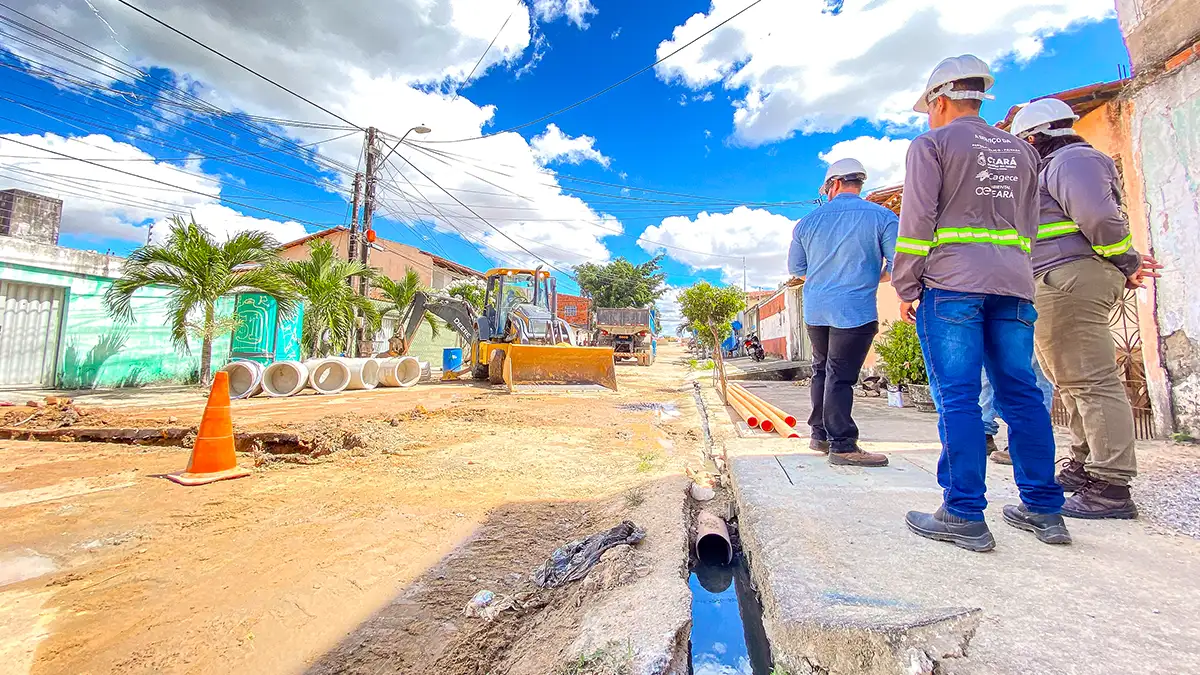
{"x":325,"y":376}
{"x":758,"y":413}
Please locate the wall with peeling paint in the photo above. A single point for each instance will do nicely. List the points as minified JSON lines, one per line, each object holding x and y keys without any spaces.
{"x":1166,"y":134}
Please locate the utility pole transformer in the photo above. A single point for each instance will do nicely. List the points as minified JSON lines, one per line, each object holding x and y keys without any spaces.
{"x":365,"y":345}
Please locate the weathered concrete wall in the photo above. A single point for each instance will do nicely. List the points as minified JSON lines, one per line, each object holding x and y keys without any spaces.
{"x":29,"y":216}
{"x":95,"y":351}
{"x":1166,"y":135}
{"x":1156,"y":29}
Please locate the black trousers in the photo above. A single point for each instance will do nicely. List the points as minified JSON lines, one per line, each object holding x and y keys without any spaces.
{"x":838,"y":355}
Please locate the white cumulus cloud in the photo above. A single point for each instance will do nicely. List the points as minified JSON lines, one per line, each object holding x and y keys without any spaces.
{"x":800,"y":68}
{"x":719,"y":241}
{"x":883,"y":158}
{"x":552,"y":145}
{"x":576,"y":11}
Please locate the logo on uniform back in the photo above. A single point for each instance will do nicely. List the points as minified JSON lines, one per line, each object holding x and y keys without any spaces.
{"x":982,"y":160}
{"x":982,"y":175}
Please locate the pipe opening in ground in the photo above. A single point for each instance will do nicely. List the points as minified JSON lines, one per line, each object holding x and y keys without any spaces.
{"x":727,"y":629}
{"x":713,"y":549}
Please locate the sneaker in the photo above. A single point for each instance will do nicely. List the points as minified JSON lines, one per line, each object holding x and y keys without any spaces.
{"x":856,"y":457}
{"x":1101,"y":499}
{"x":1002,"y":457}
{"x":1072,"y":478}
{"x":972,"y":535}
{"x":1049,"y":529}
{"x":991,"y":444}
{"x":819,"y":446}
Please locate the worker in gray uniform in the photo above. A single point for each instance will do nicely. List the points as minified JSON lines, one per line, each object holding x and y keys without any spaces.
{"x":1083,"y":260}
{"x":966,"y":228}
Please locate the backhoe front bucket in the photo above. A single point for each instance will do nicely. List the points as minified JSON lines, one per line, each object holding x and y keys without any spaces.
{"x":532,"y":368}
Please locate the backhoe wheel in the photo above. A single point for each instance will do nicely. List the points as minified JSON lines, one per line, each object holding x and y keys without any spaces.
{"x":496,"y":367}
{"x":479,"y":371}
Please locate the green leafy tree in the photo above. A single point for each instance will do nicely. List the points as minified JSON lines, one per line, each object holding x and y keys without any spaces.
{"x":399,"y":295}
{"x":900,"y":355}
{"x":470,"y":291}
{"x":199,"y":271}
{"x":324,"y":281}
{"x":620,"y":283}
{"x":709,"y":310}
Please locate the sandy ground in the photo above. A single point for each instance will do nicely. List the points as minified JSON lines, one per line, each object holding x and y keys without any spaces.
{"x":364,"y":561}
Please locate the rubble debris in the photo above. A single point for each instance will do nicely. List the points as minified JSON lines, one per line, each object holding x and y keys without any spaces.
{"x":487,"y":606}
{"x":702,"y":493}
{"x":572,"y":561}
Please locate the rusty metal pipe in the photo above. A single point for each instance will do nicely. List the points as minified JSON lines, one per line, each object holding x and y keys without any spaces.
{"x":778,"y":423}
{"x":764,"y":420}
{"x":742,"y":410}
{"x":712,"y":540}
{"x":790,"y":420}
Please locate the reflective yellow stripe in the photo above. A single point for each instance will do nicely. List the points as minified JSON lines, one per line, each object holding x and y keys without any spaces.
{"x":1115,"y":249}
{"x":913,"y":246}
{"x":981,"y":235}
{"x":1051,"y":230}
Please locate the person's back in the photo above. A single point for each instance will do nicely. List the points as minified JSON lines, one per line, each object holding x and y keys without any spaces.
{"x":840,"y":250}
{"x":846,"y":243}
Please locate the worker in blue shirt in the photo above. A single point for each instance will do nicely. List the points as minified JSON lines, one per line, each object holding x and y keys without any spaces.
{"x":842,"y":250}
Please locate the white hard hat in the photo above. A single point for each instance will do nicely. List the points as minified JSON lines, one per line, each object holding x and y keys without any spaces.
{"x":842,"y":169}
{"x":1036,"y":118}
{"x":951,"y":70}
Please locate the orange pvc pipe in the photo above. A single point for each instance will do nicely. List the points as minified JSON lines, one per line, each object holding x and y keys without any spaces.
{"x":764,"y":419}
{"x":777,"y":421}
{"x":790,"y":420}
{"x":750,"y":417}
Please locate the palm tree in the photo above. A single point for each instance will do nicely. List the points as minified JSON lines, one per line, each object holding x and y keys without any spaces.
{"x":399,"y":296}
{"x":200,"y":271}
{"x":331,"y":303}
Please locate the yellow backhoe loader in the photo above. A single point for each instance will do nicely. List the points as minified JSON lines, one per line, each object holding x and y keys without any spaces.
{"x":518,"y":340}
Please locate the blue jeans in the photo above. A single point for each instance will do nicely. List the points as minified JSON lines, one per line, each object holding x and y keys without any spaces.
{"x":962,"y":334}
{"x":987,"y":399}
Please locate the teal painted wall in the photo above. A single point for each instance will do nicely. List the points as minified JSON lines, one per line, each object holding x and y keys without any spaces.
{"x":95,"y":351}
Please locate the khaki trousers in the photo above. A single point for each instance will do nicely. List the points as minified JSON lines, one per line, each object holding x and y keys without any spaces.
{"x":1073,"y":342}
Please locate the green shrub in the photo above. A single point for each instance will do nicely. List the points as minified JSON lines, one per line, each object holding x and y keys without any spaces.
{"x":900,"y":354}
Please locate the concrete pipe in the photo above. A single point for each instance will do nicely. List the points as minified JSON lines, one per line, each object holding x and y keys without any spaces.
{"x":364,"y":373}
{"x":284,"y":378}
{"x":328,"y":376}
{"x":789,"y":420}
{"x":402,"y":371}
{"x":764,"y":421}
{"x":741,"y":409}
{"x":245,"y":378}
{"x":712,"y":540}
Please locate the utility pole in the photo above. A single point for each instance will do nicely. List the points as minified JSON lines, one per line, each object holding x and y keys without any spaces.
{"x":351,"y":247}
{"x":365,"y":236}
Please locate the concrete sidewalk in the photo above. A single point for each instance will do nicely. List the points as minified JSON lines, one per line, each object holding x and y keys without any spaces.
{"x":847,"y":589}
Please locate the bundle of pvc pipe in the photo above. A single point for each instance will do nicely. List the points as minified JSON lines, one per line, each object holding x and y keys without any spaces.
{"x":734,"y":395}
{"x":787,"y":418}
{"x":284,"y":378}
{"x":779,"y":422}
{"x":328,"y":376}
{"x":402,"y":371}
{"x":364,"y":373}
{"x":245,"y":378}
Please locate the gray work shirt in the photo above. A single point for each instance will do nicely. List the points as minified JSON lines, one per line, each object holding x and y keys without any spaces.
{"x":1080,"y":196}
{"x":969,"y":213}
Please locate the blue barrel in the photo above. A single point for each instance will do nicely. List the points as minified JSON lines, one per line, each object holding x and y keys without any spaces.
{"x":451,"y":358}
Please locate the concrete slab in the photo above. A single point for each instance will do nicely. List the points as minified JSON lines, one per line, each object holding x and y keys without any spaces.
{"x":746,"y":368}
{"x":847,"y":589}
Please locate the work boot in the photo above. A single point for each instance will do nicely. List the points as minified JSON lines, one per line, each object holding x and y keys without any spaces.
{"x":819,"y":446}
{"x":1101,"y":499}
{"x":1072,"y":478}
{"x":857,"y":457}
{"x":1049,"y":529}
{"x":1002,"y":457}
{"x":991,"y":444}
{"x":972,"y":535}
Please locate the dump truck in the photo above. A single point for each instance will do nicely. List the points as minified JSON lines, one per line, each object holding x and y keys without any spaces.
{"x":629,"y":331}
{"x":518,"y":340}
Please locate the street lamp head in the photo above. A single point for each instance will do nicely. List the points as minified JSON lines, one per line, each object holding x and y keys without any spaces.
{"x":422,"y":129}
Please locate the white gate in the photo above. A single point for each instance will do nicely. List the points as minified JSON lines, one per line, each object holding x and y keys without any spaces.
{"x":29,"y":321}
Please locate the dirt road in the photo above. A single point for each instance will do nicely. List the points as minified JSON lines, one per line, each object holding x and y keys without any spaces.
{"x":363,"y":561}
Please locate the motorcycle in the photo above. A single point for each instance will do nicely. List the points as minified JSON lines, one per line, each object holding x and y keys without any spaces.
{"x":754,"y":348}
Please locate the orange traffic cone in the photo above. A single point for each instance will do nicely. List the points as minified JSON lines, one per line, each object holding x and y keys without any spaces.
{"x":213,"y":456}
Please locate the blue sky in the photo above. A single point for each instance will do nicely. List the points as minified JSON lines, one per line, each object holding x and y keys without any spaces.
{"x":743,"y":117}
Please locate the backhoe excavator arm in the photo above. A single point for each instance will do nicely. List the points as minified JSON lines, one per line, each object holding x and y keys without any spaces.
{"x":458,"y":313}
